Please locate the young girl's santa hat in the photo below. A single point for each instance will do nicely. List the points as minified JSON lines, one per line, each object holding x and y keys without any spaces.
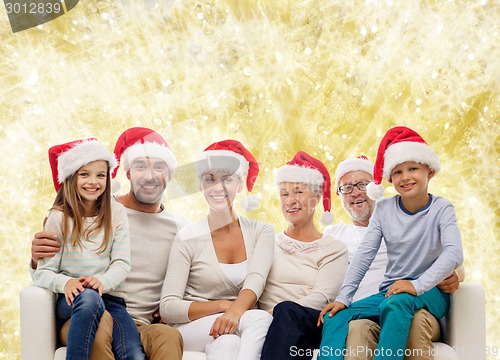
{"x":231,"y":155}
{"x":361,"y":163}
{"x":303,"y":168}
{"x":66,"y":159}
{"x":140,"y":142}
{"x":400,"y":144}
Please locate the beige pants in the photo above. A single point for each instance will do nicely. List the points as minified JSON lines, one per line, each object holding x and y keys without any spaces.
{"x":160,"y":342}
{"x":363,"y":338}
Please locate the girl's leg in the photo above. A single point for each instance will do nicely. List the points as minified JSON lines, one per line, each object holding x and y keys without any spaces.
{"x":335,"y":329}
{"x":85,"y":314}
{"x":396,"y":314}
{"x":126,"y":338}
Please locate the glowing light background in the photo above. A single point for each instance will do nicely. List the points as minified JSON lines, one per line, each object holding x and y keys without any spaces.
{"x":327,"y":77}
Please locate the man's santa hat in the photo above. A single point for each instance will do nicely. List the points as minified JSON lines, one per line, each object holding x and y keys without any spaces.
{"x":66,"y":159}
{"x":303,"y":168}
{"x":232,"y":156}
{"x":361,"y":163}
{"x":400,"y":144}
{"x":140,"y":142}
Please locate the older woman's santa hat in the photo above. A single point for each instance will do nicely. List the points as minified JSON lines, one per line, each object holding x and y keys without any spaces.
{"x":400,"y":144}
{"x":140,"y":142}
{"x":304,"y":168}
{"x":66,"y":159}
{"x":231,"y":155}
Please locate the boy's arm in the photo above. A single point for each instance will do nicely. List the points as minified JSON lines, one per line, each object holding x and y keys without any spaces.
{"x":450,"y":258}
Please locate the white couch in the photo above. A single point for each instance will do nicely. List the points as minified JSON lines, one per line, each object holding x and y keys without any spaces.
{"x":465,"y":326}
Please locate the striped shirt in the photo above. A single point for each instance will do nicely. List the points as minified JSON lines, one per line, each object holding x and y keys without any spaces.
{"x":110,"y":266}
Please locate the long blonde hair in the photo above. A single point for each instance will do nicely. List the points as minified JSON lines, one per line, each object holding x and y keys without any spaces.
{"x":69,"y":202}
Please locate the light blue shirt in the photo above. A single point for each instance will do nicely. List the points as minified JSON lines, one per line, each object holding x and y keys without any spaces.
{"x":424,"y":247}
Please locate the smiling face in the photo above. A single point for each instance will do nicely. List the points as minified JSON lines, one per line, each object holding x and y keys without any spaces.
{"x":91,"y":182}
{"x":148,"y":179}
{"x":298,"y":201}
{"x":357,"y":204}
{"x":411,"y":179}
{"x":220,"y":188}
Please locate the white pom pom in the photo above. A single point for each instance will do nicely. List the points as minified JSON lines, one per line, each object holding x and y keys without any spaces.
{"x":115,"y":186}
{"x":250,"y":202}
{"x":375,"y":192}
{"x":326,"y":218}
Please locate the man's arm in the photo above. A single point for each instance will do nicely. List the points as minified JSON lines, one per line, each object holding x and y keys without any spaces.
{"x":43,"y":245}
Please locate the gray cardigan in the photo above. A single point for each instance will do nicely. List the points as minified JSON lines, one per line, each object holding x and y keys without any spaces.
{"x":194,"y":273}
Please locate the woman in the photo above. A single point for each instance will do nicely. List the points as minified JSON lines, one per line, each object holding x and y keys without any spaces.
{"x":308,"y":267}
{"x":218,"y":266}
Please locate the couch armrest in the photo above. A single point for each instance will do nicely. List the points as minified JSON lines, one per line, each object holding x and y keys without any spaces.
{"x":466,"y":322}
{"x":38,"y":323}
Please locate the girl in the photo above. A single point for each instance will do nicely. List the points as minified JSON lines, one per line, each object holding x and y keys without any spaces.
{"x":218,"y":266}
{"x":95,"y":252}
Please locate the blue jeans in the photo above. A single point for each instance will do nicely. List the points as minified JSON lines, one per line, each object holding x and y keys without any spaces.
{"x":293,"y":334}
{"x":394,"y":315}
{"x":85,"y":314}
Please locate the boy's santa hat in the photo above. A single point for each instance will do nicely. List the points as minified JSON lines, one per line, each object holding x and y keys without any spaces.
{"x":231,"y":155}
{"x":400,"y":144}
{"x":304,"y":168}
{"x":361,"y":163}
{"x":66,"y":159}
{"x":140,"y":142}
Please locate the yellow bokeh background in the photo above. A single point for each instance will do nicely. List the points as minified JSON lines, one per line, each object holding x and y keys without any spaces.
{"x":326,"y":77}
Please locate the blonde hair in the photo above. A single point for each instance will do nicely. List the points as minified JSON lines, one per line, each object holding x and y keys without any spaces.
{"x":69,"y":202}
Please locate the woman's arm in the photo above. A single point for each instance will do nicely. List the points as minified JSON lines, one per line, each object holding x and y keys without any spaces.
{"x":228,"y":322}
{"x":331,"y":271}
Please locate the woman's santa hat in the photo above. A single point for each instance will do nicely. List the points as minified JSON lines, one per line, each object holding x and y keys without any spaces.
{"x":140,"y":142}
{"x":361,"y":163}
{"x":400,"y":144}
{"x":66,"y":159}
{"x":303,"y":168}
{"x":231,"y":155}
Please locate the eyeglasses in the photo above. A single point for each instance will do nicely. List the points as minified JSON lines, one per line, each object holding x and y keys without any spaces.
{"x":349,"y":188}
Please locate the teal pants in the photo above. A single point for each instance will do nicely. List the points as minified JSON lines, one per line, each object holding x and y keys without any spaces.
{"x":394,"y":314}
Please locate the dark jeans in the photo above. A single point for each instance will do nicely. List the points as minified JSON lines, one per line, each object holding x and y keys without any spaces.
{"x":85,"y":314}
{"x":293,"y":334}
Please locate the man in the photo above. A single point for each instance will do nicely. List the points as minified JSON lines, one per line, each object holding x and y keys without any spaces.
{"x":149,"y":164}
{"x":351,"y":178}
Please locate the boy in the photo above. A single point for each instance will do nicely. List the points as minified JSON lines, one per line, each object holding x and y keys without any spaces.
{"x":423,"y":246}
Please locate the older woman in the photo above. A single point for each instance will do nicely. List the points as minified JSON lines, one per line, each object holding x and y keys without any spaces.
{"x":218,"y":266}
{"x":308,"y":267}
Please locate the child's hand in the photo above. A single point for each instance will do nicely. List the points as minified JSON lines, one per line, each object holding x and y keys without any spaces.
{"x":401,"y":286}
{"x":72,"y":288}
{"x":333,"y":308}
{"x":92,"y":282}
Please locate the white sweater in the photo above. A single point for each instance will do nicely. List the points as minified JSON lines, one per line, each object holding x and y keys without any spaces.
{"x":194,"y":273}
{"x":308,"y":273}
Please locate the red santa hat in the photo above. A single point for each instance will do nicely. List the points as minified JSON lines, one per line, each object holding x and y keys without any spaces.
{"x":231,"y":155}
{"x":304,"y":168}
{"x":400,"y":144}
{"x":66,"y":159}
{"x":361,"y":163}
{"x":140,"y":142}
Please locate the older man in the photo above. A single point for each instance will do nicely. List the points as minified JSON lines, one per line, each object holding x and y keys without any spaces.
{"x":351,"y":178}
{"x":149,"y":164}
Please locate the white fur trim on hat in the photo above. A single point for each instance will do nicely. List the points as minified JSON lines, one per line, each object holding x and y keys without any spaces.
{"x":250,"y":202}
{"x":214,"y":160}
{"x":81,"y":154}
{"x":149,"y":150}
{"x":404,"y":151}
{"x":298,"y":174}
{"x":375,"y":192}
{"x":350,"y":165}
